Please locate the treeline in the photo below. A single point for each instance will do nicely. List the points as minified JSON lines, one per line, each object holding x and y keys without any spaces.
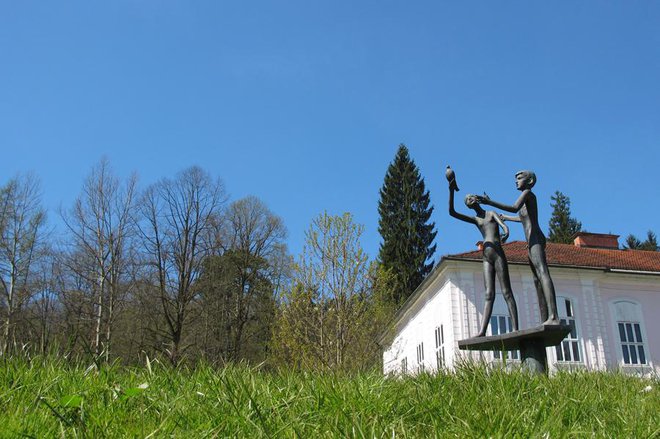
{"x":563,"y":227}
{"x":178,"y":270}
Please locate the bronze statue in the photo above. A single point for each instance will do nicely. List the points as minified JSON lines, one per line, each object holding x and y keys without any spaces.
{"x":527,"y":209}
{"x":495,"y":263}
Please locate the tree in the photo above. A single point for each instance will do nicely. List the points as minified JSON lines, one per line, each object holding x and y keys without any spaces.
{"x":634,"y":243}
{"x":45,"y":301}
{"x":324,"y":317}
{"x":22,"y":221}
{"x":562,"y":226}
{"x":405,"y":211}
{"x":101,"y":226}
{"x":239,"y":285}
{"x":651,"y":243}
{"x":178,"y":224}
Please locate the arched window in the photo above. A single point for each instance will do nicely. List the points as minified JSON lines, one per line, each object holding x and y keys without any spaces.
{"x":569,"y":349}
{"x":630,"y":333}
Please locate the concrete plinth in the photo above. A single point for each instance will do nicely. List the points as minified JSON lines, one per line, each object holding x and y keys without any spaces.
{"x":531,"y":343}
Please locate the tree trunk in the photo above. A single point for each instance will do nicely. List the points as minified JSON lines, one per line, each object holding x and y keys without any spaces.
{"x":10,"y":311}
{"x":174,"y":352}
{"x":108,"y":333}
{"x":99,"y":315}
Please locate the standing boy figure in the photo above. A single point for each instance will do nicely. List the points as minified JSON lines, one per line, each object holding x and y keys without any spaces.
{"x":489,"y":223}
{"x":527,"y":209}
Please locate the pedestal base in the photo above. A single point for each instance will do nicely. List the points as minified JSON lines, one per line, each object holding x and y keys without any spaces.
{"x":533,"y":357}
{"x":531,"y":343}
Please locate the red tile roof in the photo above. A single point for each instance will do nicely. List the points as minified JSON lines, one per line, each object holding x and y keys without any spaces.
{"x":570,"y":255}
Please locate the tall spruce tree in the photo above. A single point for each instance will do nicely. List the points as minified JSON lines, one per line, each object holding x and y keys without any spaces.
{"x":562,"y":225}
{"x":405,"y":211}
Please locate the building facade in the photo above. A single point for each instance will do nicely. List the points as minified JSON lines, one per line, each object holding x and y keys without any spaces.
{"x":610,"y":298}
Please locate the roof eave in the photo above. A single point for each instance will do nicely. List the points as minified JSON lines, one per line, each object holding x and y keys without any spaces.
{"x":581,"y":267}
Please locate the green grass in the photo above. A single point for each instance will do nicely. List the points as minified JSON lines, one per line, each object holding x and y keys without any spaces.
{"x":47,"y":398}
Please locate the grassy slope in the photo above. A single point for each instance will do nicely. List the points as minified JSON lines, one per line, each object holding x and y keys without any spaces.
{"x":236,"y":401}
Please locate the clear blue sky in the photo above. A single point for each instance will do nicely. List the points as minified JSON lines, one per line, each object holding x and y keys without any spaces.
{"x":303,"y":103}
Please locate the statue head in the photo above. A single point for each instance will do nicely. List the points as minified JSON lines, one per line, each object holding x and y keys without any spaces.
{"x":525,"y":180}
{"x":471,"y":201}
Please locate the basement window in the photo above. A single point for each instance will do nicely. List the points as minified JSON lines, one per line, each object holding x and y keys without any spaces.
{"x":420,"y":357}
{"x":440,"y":347}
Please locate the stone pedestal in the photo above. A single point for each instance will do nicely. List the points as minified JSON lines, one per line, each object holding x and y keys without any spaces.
{"x":531,"y":343}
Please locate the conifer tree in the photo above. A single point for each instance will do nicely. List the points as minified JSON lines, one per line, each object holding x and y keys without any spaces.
{"x":562,"y":225}
{"x":650,"y":244}
{"x":632,"y":242}
{"x":405,"y":211}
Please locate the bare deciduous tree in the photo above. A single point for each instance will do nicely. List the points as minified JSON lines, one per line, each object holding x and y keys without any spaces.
{"x":101,"y":226}
{"x":22,"y":222}
{"x":178,"y":219}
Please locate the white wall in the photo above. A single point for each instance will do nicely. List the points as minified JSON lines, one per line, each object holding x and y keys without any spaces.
{"x":430,"y":311}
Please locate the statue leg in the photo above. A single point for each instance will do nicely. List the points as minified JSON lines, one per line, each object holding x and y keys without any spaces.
{"x":489,"y":283}
{"x":543,"y":306}
{"x":538,"y":259}
{"x":502,"y":269}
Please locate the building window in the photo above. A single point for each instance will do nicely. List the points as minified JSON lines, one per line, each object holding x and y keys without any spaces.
{"x":404,"y":366}
{"x":632,"y":343}
{"x":420,"y":357}
{"x":569,"y":349}
{"x":439,"y":347}
{"x":501,"y":325}
{"x":631,"y":334}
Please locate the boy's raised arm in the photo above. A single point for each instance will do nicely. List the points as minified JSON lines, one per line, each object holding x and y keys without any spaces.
{"x":452,"y":212}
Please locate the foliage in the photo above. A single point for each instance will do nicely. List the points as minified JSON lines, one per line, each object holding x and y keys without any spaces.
{"x":325,"y":317}
{"x":168,"y":269}
{"x":650,"y":244}
{"x":239,"y":286}
{"x":237,"y":305}
{"x":405,"y":212}
{"x":48,"y":398}
{"x":563,"y":227}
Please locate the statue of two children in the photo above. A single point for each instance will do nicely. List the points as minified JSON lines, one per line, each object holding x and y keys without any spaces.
{"x":495,"y":263}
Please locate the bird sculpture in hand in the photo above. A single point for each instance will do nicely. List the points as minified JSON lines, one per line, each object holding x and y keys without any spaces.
{"x":451,"y":178}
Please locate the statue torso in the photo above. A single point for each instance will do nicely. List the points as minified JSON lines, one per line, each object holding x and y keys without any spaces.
{"x":489,"y":228}
{"x":530,"y":220}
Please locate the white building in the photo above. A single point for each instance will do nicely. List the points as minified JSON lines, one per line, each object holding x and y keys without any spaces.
{"x":610,"y":296}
